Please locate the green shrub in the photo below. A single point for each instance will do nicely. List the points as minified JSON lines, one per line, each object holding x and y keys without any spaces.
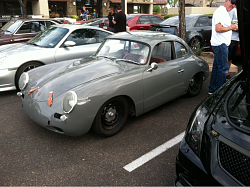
{"x":75,"y":17}
{"x":170,"y":15}
{"x":156,"y":9}
{"x":198,"y":50}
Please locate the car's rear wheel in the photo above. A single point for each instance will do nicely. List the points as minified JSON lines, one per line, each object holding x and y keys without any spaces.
{"x":195,"y":43}
{"x":195,"y":85}
{"x":111,"y":117}
{"x":24,"y":68}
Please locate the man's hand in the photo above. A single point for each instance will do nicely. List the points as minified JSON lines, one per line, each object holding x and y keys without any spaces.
{"x":220,"y":28}
{"x":114,"y":21}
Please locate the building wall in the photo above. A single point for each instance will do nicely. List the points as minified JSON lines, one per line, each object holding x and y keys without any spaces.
{"x":71,"y":7}
{"x":193,"y":10}
{"x":40,"y":7}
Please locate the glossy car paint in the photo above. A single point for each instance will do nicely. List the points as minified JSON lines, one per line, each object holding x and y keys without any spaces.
{"x":193,"y":29}
{"x":18,"y":38}
{"x":96,"y":81}
{"x":214,"y":166}
{"x":18,"y":54}
{"x":134,"y":25}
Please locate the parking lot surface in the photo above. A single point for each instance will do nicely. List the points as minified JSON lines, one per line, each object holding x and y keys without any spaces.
{"x":31,"y":155}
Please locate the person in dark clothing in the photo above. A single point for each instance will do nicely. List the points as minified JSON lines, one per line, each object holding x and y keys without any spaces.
{"x":120,"y":20}
{"x":111,"y":17}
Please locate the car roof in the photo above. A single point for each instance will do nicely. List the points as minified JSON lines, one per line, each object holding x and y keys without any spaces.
{"x":76,"y":26}
{"x":149,"y":37}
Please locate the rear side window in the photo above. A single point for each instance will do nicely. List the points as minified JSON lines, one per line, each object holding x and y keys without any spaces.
{"x":162,"y":52}
{"x":100,"y":36}
{"x":155,"y":19}
{"x":202,"y":21}
{"x":180,"y":50}
{"x":143,"y":20}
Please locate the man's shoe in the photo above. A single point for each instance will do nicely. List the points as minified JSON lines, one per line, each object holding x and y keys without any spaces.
{"x":228,"y":77}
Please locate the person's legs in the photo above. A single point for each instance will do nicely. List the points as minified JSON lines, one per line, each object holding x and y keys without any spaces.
{"x":232,"y":50}
{"x":220,"y":67}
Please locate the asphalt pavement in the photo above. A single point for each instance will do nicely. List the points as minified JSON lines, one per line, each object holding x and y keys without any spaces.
{"x":33,"y":156}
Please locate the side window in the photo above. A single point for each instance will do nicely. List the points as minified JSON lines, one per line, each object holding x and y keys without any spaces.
{"x":210,"y":20}
{"x":26,"y":28}
{"x":180,"y":50}
{"x":203,"y":21}
{"x":143,"y":20}
{"x":101,"y":36}
{"x":162,"y":52}
{"x":155,"y":19}
{"x":42,"y":26}
{"x":49,"y":23}
{"x":83,"y":36}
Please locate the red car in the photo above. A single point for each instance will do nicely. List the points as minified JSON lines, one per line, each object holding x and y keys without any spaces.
{"x":142,"y":21}
{"x":23,"y":30}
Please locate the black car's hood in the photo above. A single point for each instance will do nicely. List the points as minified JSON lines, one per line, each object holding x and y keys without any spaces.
{"x":244,"y":28}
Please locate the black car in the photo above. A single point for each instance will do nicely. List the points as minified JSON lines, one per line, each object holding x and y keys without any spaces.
{"x":216,"y":147}
{"x":198,"y":29}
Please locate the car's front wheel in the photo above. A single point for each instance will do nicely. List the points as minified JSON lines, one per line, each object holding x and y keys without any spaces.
{"x":24,"y":68}
{"x":111,"y":117}
{"x":195,"y":85}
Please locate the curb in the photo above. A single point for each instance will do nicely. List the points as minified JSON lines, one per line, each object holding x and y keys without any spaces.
{"x":233,"y":68}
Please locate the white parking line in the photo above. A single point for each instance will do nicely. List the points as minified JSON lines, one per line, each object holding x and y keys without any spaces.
{"x":154,"y":153}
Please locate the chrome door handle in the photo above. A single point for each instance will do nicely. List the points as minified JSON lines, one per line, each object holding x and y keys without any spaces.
{"x":181,"y":70}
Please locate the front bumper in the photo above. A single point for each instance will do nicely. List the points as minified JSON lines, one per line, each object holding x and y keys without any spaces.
{"x":76,"y":123}
{"x":192,"y":171}
{"x":7,"y":80}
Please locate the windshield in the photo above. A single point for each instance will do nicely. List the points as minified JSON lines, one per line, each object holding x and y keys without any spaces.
{"x":10,"y":28}
{"x":175,"y":20}
{"x":128,"y":17}
{"x":49,"y":38}
{"x":238,"y":106}
{"x":130,"y":51}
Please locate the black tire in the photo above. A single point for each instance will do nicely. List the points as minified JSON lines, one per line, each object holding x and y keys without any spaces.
{"x":24,"y":68}
{"x":111,"y":117}
{"x":195,"y":85}
{"x":195,"y":42}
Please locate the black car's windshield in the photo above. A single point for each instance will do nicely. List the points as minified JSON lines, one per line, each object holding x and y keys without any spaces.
{"x":130,"y":51}
{"x":175,"y":20}
{"x":238,"y":107}
{"x":10,"y":27}
{"x":49,"y":38}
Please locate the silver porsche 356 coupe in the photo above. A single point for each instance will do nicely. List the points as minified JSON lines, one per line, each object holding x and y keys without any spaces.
{"x":130,"y":74}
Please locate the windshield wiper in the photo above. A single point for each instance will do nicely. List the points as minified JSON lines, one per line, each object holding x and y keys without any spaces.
{"x":108,"y":57}
{"x":126,"y":60}
{"x":7,"y":31}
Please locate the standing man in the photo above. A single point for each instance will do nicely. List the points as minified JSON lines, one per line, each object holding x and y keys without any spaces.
{"x":233,"y":47}
{"x":111,"y":17}
{"x":220,"y":40}
{"x":120,"y":20}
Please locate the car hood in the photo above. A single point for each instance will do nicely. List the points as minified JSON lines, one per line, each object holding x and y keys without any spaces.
{"x":80,"y":72}
{"x":244,"y":27}
{"x":12,"y":49}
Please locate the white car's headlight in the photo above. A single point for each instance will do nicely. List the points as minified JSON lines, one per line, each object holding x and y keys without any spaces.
{"x":195,"y":131}
{"x":69,"y":101}
{"x":23,"y":81}
{"x":2,"y":59}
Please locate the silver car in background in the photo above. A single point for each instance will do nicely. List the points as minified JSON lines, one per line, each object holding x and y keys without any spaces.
{"x":57,"y":43}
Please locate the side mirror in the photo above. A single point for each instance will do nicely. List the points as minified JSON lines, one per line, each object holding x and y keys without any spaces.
{"x":69,"y":44}
{"x":154,"y":66}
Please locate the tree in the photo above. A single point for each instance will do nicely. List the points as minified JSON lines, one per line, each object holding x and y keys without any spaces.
{"x":210,"y":2}
{"x":23,"y":4}
{"x":173,"y":3}
{"x":182,"y":21}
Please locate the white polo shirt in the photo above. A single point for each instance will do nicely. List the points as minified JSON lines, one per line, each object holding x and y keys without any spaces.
{"x":221,"y":16}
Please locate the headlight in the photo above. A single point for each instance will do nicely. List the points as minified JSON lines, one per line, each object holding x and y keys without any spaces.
{"x":2,"y":59}
{"x":195,"y":132}
{"x":69,"y":101}
{"x":23,"y":81}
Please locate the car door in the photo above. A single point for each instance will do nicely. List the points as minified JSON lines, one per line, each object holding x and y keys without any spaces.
{"x":165,"y":82}
{"x":143,"y":23}
{"x":86,"y":41}
{"x":204,"y":27}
